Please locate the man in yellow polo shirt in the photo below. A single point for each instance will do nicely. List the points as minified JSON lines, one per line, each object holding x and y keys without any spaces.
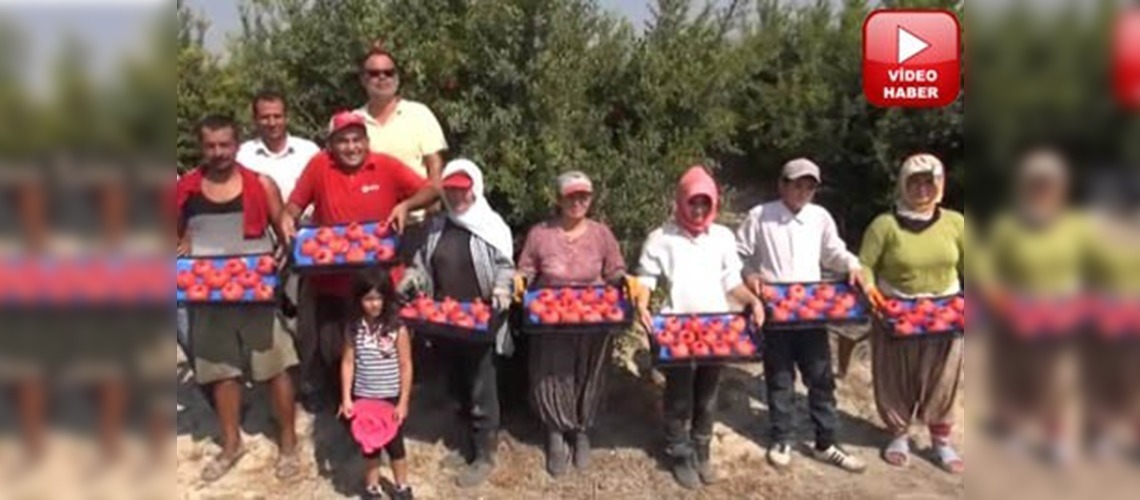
{"x":401,"y":128}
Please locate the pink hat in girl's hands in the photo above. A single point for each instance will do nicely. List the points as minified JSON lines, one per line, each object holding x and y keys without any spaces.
{"x":373,"y":424}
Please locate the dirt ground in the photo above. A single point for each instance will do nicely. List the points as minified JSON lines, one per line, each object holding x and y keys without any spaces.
{"x":627,"y":459}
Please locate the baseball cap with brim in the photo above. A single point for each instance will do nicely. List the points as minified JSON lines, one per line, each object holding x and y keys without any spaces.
{"x":800,"y":168}
{"x":574,"y":182}
{"x":458,"y":180}
{"x":373,"y":424}
{"x":344,"y":120}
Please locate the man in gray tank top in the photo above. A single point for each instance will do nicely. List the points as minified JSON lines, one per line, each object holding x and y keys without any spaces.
{"x":226,"y":209}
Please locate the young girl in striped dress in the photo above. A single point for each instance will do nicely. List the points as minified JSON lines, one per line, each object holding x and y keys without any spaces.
{"x":377,"y":364}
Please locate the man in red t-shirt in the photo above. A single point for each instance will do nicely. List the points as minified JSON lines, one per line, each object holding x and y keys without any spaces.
{"x":345,"y":183}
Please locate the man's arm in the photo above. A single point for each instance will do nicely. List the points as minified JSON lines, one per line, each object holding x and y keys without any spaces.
{"x":424,"y":194}
{"x":434,"y":165}
{"x":276,"y":205}
{"x":432,"y":143}
{"x":427,"y":195}
{"x":746,"y":251}
{"x":299,"y":200}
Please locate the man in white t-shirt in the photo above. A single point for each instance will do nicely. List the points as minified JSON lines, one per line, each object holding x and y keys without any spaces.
{"x":281,"y":157}
{"x":275,"y":153}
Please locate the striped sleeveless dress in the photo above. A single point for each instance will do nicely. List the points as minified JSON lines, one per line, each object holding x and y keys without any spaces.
{"x":377,"y":373}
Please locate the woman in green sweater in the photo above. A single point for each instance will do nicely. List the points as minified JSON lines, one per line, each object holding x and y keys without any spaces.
{"x":917,"y":250}
{"x":1110,"y":365}
{"x":1041,"y":249}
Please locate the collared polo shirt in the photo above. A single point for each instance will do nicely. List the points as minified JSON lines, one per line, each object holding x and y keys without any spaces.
{"x":283,"y":167}
{"x":410,"y":134}
{"x":792,"y":247}
{"x":365,"y":195}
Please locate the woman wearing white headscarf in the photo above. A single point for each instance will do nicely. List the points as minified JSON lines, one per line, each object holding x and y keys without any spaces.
{"x":917,"y":250}
{"x":468,"y":256}
{"x":1040,"y":248}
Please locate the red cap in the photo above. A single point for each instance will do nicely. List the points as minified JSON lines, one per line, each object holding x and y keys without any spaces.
{"x":458,"y":180}
{"x":343,"y":120}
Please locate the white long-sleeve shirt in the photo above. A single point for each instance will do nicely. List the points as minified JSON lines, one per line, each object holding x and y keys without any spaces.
{"x":700,"y":270}
{"x":789,"y":247}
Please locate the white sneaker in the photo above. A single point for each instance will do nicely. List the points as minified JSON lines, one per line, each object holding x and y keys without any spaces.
{"x":780,"y":455}
{"x":839,"y":458}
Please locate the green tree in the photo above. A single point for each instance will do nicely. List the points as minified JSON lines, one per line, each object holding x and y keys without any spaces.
{"x":205,"y":85}
{"x":530,"y":88}
{"x":19,"y":135}
{"x":803,"y":97}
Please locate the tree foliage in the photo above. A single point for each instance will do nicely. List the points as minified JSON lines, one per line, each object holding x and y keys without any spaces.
{"x":530,"y":88}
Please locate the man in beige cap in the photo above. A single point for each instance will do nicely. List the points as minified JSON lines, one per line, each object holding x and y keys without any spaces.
{"x":791,"y":240}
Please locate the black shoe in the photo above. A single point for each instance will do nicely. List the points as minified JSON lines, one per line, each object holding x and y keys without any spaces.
{"x":475,"y":474}
{"x":685,"y":472}
{"x":484,"y":444}
{"x":557,"y":454}
{"x":404,"y":493}
{"x":704,"y":466}
{"x":581,"y":450}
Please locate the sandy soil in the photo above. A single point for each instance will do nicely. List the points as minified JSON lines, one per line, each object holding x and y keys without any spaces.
{"x":627,"y":459}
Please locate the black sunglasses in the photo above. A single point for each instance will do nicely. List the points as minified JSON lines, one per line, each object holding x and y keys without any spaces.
{"x":377,"y":73}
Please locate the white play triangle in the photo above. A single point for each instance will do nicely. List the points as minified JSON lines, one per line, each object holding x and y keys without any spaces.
{"x":909,"y":45}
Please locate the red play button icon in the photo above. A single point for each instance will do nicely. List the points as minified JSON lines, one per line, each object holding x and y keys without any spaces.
{"x":1127,"y":59}
{"x":911,"y":58}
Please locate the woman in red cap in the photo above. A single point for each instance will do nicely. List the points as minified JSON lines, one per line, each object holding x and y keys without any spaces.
{"x":467,"y":256}
{"x":567,"y":372}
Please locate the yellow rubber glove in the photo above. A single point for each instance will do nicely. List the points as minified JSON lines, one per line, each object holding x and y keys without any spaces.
{"x":877,"y":298}
{"x":638,"y":293}
{"x":519,"y":288}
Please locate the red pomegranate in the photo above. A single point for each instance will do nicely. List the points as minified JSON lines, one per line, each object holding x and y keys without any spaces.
{"x":385,"y":253}
{"x":201,"y":267}
{"x":263,"y":292}
{"x":185,"y":280}
{"x":199,"y":292}
{"x":233,"y":292}
{"x":310,"y":247}
{"x":217,"y":279}
{"x":409,"y":312}
{"x":249,"y":279}
{"x":354,"y":232}
{"x":356,"y":255}
{"x":235,"y":266}
{"x":325,"y":235}
{"x":323,"y":257}
{"x":266,"y":265}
